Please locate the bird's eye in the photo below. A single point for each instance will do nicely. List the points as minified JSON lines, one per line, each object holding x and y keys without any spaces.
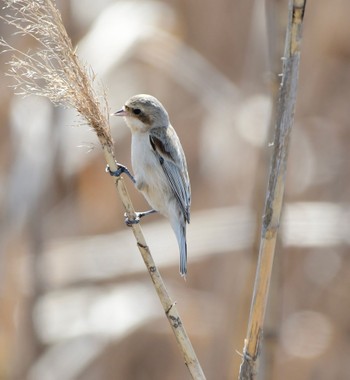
{"x":136,"y":111}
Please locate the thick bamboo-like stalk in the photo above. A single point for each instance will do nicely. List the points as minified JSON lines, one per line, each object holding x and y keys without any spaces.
{"x":275,"y":190}
{"x":54,"y":71}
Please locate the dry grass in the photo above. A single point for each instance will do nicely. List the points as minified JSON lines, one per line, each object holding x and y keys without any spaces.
{"x":53,"y":69}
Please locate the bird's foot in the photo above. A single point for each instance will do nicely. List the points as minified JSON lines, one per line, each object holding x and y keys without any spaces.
{"x":138,"y":215}
{"x":121,"y":169}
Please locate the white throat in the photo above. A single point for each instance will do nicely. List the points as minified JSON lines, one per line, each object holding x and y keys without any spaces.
{"x":135,"y":124}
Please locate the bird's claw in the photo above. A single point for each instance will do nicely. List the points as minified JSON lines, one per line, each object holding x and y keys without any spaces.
{"x":130,"y":222}
{"x":138,"y":215}
{"x":116,"y":173}
{"x":121,"y":169}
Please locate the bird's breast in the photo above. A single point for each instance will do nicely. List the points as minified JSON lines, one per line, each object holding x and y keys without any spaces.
{"x":142,"y":158}
{"x":149,"y":175}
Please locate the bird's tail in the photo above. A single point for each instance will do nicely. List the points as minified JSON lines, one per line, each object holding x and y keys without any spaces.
{"x":180,"y":232}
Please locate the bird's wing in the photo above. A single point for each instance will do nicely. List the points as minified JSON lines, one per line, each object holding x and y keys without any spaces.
{"x":173,"y":162}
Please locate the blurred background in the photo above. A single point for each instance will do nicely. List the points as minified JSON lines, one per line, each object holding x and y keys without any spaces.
{"x":75,"y":299}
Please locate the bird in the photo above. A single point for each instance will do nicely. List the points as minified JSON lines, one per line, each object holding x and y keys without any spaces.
{"x":159,"y":166}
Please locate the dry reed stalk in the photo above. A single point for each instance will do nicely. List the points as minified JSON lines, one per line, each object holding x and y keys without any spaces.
{"x":54,"y":71}
{"x":275,"y":190}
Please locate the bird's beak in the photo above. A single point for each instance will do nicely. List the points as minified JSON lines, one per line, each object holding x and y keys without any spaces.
{"x":120,"y":113}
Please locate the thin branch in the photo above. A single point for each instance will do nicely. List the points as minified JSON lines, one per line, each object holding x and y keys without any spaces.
{"x":54,"y":71}
{"x":275,"y":190}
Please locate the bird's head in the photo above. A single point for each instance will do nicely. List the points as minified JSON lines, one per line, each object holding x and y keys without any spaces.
{"x":143,"y":112}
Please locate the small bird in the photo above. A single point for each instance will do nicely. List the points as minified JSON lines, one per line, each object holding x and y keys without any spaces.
{"x":159,"y":165}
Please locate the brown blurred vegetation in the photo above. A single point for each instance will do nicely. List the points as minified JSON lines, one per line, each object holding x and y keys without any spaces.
{"x":75,"y":301}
